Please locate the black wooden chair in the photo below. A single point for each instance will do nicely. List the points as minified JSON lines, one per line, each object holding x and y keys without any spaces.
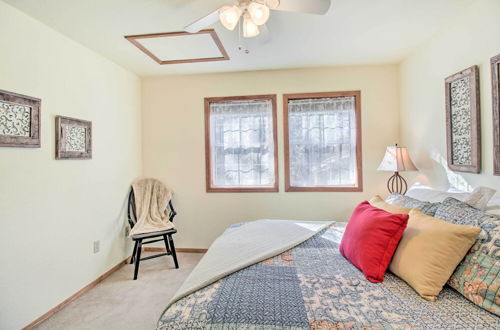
{"x":166,"y":235}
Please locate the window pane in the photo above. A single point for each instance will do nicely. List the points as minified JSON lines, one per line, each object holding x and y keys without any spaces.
{"x":322,"y":142}
{"x":242,"y":144}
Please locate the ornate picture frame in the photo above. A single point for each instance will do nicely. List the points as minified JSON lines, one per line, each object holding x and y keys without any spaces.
{"x":19,"y":120}
{"x":73,"y":138}
{"x":495,"y":90}
{"x":463,"y":121}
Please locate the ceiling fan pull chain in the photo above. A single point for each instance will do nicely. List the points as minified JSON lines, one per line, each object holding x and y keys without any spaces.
{"x":239,"y":31}
{"x":241,"y":43}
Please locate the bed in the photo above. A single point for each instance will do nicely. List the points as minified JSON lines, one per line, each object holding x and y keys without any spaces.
{"x":312,"y":286}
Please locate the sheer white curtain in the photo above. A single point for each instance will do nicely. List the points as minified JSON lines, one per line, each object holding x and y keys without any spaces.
{"x":242,"y":145}
{"x":322,"y":142}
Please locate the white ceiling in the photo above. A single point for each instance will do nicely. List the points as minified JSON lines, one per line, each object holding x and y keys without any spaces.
{"x":353,"y":32}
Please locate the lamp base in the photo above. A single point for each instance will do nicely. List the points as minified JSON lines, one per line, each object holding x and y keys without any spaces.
{"x":397,"y":184}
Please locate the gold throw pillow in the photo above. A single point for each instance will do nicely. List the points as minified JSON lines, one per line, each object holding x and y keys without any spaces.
{"x":429,"y":252}
{"x":378,"y":202}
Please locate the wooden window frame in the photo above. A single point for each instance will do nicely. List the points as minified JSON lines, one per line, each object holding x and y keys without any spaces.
{"x":208,"y":155}
{"x":359,"y":162}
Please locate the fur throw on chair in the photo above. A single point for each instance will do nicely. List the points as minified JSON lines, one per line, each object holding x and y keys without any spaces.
{"x":151,"y":199}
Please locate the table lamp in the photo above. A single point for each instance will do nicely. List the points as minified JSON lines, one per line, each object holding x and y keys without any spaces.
{"x":397,"y":159}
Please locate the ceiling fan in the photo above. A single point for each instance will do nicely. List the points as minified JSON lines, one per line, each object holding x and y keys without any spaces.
{"x":255,"y":13}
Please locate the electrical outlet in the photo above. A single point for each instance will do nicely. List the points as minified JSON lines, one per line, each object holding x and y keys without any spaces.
{"x":97,"y":246}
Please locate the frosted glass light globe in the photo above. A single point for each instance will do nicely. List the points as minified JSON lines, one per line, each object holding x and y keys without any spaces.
{"x":258,"y":12}
{"x":250,"y":29}
{"x":229,"y":16}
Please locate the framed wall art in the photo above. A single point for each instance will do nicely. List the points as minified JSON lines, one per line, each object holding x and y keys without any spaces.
{"x":463,"y":121}
{"x":73,"y":138}
{"x":495,"y":89}
{"x":19,"y":120}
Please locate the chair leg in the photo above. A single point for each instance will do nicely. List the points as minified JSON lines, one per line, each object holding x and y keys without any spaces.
{"x":137,"y":258}
{"x":172,"y":246}
{"x":133,"y":253}
{"x":166,"y":243}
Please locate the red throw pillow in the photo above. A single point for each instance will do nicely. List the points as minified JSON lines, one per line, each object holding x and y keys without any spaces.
{"x":371,"y":238}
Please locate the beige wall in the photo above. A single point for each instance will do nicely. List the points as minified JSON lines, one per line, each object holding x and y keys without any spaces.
{"x":46,"y":245}
{"x":173,"y":144}
{"x":52,"y":211}
{"x":471,"y":39}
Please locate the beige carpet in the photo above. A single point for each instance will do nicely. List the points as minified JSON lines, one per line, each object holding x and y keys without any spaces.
{"x":118,"y":302}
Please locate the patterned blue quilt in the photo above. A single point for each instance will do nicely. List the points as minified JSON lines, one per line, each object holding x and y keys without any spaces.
{"x":312,"y":286}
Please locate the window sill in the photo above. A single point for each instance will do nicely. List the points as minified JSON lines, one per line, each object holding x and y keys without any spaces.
{"x":242,"y":190}
{"x":324,"y":189}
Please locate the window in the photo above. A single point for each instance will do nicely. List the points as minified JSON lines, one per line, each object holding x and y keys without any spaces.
{"x":323,"y":141}
{"x":240,"y":144}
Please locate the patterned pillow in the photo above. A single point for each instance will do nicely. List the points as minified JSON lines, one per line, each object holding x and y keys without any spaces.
{"x":480,"y":197}
{"x":406,"y":201}
{"x":477,"y":277}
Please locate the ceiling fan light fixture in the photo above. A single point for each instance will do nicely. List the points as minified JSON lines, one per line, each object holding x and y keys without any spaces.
{"x":250,"y":29}
{"x":229,"y":16}
{"x":258,"y":12}
{"x":273,"y":4}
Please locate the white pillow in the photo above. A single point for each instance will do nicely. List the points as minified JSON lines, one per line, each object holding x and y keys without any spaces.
{"x":429,"y":194}
{"x":478,"y":198}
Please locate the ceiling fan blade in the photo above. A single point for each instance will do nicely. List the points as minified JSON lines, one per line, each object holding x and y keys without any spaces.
{"x":265,"y":35}
{"x":203,"y":22}
{"x":319,"y":7}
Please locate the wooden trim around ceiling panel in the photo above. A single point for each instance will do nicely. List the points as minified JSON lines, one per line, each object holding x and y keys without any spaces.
{"x":133,"y":39}
{"x":208,"y":176}
{"x":359,"y":162}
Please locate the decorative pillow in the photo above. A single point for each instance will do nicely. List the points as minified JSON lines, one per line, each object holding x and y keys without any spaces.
{"x":407,"y":201}
{"x":493,"y":206}
{"x":378,"y":202}
{"x":370,"y":239}
{"x":478,"y":275}
{"x":494,"y":203}
{"x":480,"y":197}
{"x":429,"y":251}
{"x":494,"y":212}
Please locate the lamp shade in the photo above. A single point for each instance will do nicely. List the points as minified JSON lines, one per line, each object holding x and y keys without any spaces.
{"x":397,"y":159}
